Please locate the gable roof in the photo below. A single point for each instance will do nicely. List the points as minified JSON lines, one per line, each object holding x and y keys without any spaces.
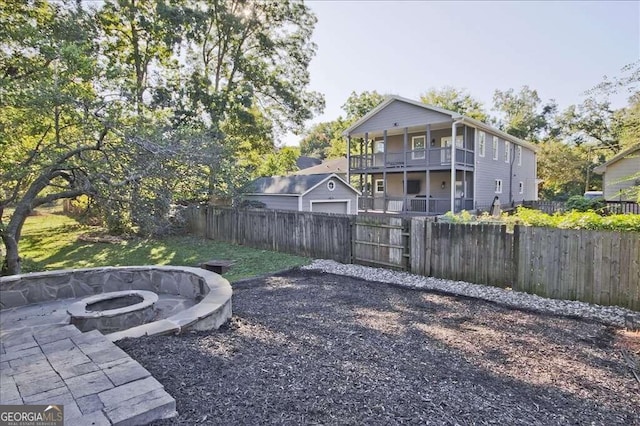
{"x":291,"y":185}
{"x":304,"y":162}
{"x":603,"y":167}
{"x":335,"y":165}
{"x":455,"y":116}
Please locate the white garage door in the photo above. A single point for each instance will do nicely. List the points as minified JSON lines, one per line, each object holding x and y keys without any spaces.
{"x":330,"y":207}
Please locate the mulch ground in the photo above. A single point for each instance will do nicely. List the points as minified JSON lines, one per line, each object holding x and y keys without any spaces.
{"x":312,"y":348}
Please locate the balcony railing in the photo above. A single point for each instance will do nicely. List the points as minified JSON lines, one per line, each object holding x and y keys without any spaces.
{"x":413,"y":205}
{"x":432,"y":157}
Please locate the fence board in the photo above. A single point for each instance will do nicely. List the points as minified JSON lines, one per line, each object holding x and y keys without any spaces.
{"x":596,"y":267}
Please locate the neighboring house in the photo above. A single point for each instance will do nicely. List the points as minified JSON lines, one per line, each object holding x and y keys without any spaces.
{"x":338,"y":166}
{"x":621,"y":176}
{"x":404,"y":164}
{"x":326,"y":193}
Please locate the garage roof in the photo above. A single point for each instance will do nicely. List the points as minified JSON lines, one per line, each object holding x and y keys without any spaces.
{"x":290,"y":185}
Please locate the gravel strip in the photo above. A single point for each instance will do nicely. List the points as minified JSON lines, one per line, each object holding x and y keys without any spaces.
{"x":610,"y":315}
{"x":307,"y":347}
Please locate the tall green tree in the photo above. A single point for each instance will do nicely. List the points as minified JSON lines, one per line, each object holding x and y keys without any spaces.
{"x":457,"y":100}
{"x":280,"y":163}
{"x":140,"y":102}
{"x":54,"y":143}
{"x":524,"y":115}
{"x":358,"y":105}
{"x":562,"y":169}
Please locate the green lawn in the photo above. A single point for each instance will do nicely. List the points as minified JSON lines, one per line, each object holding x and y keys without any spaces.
{"x":50,"y":241}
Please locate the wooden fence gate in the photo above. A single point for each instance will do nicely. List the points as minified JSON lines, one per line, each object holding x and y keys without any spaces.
{"x":381,"y":241}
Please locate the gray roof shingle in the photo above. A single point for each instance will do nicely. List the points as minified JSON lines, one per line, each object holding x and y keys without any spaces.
{"x":294,"y":184}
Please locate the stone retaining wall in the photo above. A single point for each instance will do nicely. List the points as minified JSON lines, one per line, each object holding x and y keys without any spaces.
{"x":210,"y":290}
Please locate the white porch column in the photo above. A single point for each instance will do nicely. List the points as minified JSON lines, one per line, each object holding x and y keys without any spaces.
{"x":453,"y":167}
{"x":349,"y":159}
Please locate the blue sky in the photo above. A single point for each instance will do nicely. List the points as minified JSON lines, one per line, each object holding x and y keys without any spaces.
{"x":560,"y":49}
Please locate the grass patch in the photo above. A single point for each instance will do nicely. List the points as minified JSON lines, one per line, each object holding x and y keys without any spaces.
{"x":50,"y":241}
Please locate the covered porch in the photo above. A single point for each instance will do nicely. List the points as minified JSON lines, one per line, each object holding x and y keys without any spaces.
{"x":420,"y":193}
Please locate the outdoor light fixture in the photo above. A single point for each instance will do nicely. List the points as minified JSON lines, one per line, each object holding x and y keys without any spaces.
{"x":444,"y":184}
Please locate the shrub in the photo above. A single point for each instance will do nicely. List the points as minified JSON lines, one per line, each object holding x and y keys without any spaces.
{"x":583,"y":204}
{"x":569,"y":220}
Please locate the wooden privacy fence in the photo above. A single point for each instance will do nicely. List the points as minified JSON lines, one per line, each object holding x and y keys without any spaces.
{"x":381,"y":241}
{"x":600,"y":267}
{"x":316,"y":235}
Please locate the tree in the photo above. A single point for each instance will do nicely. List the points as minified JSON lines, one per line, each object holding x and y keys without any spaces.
{"x":593,"y":122}
{"x":456,"y":100}
{"x":524,"y":115}
{"x":247,"y":55}
{"x":141,"y":102}
{"x":359,"y":104}
{"x":562,"y":168}
{"x":55,"y":145}
{"x":317,"y":140}
{"x":280,"y":163}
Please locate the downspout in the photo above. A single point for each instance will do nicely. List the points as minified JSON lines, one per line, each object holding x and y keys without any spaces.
{"x":453,"y":164}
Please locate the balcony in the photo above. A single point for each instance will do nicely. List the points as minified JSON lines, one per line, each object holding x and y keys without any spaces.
{"x":413,"y":205}
{"x":432,"y":158}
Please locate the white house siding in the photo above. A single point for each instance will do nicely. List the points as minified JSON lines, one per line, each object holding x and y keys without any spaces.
{"x":276,"y":202}
{"x":488,"y":170}
{"x":400,"y":114}
{"x":617,"y":178}
{"x":341,"y":192}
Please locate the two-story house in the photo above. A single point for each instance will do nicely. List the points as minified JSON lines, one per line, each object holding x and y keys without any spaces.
{"x":420,"y":159}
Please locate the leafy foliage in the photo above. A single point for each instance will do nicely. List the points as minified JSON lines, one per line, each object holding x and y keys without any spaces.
{"x":583,"y":204}
{"x":457,"y":100}
{"x":570,"y":220}
{"x":142,"y":103}
{"x":523,"y":113}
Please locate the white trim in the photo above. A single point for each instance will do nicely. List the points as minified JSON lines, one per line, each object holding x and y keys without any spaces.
{"x":475,"y":167}
{"x":299,"y":204}
{"x":332,"y":175}
{"x":481,"y":152}
{"x":332,"y":187}
{"x":413,"y":147}
{"x":375,"y":186}
{"x":520,"y":187}
{"x":497,"y":188}
{"x":330,"y":201}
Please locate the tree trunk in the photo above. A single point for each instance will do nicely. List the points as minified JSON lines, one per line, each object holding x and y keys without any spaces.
{"x":11,"y":261}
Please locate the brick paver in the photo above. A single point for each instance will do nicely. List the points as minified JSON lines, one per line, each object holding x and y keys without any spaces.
{"x":96,"y":381}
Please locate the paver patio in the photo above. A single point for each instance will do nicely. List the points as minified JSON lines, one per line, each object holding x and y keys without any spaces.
{"x":97,"y":382}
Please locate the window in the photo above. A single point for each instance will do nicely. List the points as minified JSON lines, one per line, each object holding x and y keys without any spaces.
{"x":519,"y":155}
{"x":331,"y":185}
{"x":379,"y":188}
{"x":378,"y":147}
{"x":445,"y":154}
{"x":481,"y":140}
{"x":498,"y":186}
{"x":521,"y":187}
{"x":507,"y":151}
{"x":446,"y":141}
{"x":495,"y":148}
{"x":417,"y":147}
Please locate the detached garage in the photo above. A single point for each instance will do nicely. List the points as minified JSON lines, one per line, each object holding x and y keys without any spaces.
{"x":324,"y":193}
